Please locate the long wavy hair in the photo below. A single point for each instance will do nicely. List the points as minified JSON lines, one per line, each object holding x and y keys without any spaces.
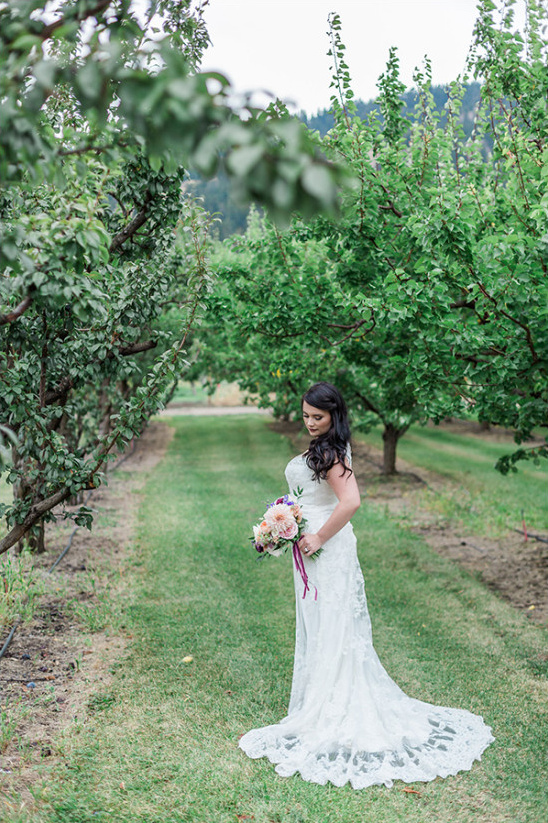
{"x":329,"y":448}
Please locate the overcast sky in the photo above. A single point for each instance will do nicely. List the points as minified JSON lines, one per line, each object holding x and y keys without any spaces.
{"x":281,"y":45}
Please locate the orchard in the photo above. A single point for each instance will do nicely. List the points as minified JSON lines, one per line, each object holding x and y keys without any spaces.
{"x":400,"y":253}
{"x":401,"y":256}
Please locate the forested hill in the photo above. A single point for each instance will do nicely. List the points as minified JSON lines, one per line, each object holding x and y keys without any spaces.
{"x":323,"y":121}
{"x":216,"y":193}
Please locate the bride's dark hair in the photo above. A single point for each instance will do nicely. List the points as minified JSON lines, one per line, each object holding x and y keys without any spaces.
{"x":330,"y":448}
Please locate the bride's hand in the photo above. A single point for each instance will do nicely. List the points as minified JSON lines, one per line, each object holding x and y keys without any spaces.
{"x":309,"y":543}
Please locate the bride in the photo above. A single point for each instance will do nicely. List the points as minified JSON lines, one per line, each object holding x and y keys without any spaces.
{"x":348,"y":722}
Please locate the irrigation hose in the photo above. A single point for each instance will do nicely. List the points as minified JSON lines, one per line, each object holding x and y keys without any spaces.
{"x":69,"y":544}
{"x":5,"y":647}
{"x":538,"y":537}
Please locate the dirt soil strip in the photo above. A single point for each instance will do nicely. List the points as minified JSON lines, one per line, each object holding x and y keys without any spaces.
{"x":177,"y":409}
{"x":58,"y":661}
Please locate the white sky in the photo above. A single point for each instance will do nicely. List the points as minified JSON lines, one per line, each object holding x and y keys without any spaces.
{"x":281,"y":45}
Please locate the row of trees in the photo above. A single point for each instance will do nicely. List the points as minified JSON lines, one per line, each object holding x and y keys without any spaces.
{"x":103,"y":268}
{"x":429,"y":296}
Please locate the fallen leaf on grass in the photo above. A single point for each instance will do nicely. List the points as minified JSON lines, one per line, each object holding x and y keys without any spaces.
{"x":407,"y":790}
{"x":245,"y":816}
{"x":188,"y":659}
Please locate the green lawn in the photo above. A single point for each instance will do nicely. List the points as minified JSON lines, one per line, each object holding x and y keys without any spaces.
{"x":161,"y":743}
{"x":479,"y":496}
{"x":190,"y":393}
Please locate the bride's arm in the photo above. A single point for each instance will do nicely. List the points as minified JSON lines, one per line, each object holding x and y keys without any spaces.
{"x":346,"y":489}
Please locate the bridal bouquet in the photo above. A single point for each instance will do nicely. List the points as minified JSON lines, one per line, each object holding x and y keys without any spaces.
{"x":280,"y":528}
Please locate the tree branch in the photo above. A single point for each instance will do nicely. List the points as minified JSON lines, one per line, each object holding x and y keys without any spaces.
{"x":523,"y":326}
{"x":391,"y":207}
{"x":61,"y":391}
{"x":48,"y":30}
{"x":368,"y":405}
{"x":354,"y":328}
{"x":86,"y":149}
{"x":136,"y":348}
{"x":135,"y":224}
{"x":17,"y":312}
{"x":463,"y":304}
{"x":37,"y":510}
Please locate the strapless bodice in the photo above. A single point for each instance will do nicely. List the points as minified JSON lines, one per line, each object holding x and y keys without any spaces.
{"x":312,"y":493}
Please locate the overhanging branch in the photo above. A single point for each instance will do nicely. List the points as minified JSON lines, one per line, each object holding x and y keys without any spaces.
{"x":48,"y":30}
{"x":133,"y":226}
{"x":37,"y":510}
{"x":136,"y":348}
{"x":17,"y":312}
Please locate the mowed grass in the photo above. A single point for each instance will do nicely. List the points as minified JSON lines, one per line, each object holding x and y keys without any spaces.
{"x":161,"y":742}
{"x":477,"y":495}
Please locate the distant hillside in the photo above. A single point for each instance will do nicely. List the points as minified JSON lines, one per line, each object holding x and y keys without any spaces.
{"x":323,"y":121}
{"x":216,"y":192}
{"x":218,"y":200}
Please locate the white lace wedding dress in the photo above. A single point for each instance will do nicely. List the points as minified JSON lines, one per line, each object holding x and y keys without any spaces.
{"x":347,"y":719}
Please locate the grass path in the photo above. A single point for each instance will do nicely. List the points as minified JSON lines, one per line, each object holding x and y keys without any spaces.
{"x":161,"y":743}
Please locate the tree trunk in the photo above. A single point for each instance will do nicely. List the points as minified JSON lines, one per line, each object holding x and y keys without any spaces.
{"x":36,"y":541}
{"x":390,"y":437}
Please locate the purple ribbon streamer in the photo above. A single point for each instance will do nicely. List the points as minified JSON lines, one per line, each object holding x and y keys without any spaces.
{"x":299,"y":565}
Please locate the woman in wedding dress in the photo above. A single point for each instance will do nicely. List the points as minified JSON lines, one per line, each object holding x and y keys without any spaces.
{"x":347,"y":720}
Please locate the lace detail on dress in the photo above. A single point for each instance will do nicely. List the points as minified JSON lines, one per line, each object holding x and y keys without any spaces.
{"x":347,"y":720}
